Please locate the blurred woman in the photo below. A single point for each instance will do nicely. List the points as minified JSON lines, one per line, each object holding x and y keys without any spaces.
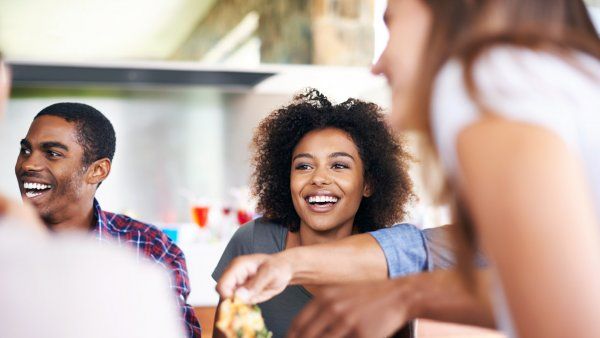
{"x":515,"y":117}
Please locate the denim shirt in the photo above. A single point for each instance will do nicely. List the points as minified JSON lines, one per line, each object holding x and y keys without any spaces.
{"x":409,"y":250}
{"x":405,"y":249}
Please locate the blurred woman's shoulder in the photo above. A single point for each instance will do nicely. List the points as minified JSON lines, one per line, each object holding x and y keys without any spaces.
{"x":556,"y":91}
{"x":506,"y":69}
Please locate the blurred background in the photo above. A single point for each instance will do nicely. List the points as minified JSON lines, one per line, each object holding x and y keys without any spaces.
{"x":184,"y":83}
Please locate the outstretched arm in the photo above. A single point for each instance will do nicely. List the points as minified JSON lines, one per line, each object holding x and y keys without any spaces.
{"x":260,"y":277}
{"x":391,"y":252}
{"x":379,"y":309}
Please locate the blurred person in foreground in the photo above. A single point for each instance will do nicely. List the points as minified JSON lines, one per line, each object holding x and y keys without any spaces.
{"x":66,"y":286}
{"x":65,"y":156}
{"x":9,"y":208}
{"x":507,"y":90}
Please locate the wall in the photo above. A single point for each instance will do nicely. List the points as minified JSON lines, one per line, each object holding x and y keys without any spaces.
{"x":171,"y":144}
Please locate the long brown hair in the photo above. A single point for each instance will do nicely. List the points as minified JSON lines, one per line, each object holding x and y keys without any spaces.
{"x":555,"y":26}
{"x":464,"y":30}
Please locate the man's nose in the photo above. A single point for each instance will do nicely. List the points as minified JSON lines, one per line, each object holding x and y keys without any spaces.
{"x":31,"y":163}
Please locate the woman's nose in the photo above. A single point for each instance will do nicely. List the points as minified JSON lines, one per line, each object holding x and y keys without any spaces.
{"x":377,"y":67}
{"x":321,"y":177}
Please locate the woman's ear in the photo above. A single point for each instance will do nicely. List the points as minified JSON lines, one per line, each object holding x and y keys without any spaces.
{"x":98,"y":171}
{"x":367,"y":190}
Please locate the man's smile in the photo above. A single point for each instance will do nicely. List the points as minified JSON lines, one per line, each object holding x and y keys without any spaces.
{"x":35,"y":189}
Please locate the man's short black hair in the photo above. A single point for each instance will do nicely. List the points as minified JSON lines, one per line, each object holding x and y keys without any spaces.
{"x":96,"y":134}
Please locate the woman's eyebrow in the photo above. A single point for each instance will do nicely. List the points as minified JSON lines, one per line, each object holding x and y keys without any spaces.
{"x":341,"y":154}
{"x":303,"y":155}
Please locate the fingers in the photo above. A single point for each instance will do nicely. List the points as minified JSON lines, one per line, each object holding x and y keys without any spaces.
{"x":265,"y":295}
{"x":238,"y":273}
{"x":254,"y":278}
{"x":307,"y":319}
{"x":23,"y":215}
{"x":270,"y":280}
{"x":323,"y":317}
{"x":351,"y":311}
{"x":343,"y":318}
{"x":257,"y":283}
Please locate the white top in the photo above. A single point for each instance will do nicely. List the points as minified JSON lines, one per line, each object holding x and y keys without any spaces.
{"x":69,"y":286}
{"x":528,"y":86}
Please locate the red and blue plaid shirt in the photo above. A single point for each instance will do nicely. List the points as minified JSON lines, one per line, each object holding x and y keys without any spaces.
{"x":150,"y":242}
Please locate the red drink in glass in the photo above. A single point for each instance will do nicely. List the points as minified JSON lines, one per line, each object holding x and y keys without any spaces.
{"x":243,"y":216}
{"x":200,"y":215}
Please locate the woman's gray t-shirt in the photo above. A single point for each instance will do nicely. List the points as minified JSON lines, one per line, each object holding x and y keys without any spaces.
{"x":262,"y":236}
{"x":407,"y":250}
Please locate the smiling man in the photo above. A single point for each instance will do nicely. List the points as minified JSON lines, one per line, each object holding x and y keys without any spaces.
{"x":64,"y":158}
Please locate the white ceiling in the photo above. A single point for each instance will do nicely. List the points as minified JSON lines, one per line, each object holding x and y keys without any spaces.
{"x":101,"y":30}
{"x":97,"y":29}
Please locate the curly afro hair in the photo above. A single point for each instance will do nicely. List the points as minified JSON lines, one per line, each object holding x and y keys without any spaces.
{"x":385,"y":161}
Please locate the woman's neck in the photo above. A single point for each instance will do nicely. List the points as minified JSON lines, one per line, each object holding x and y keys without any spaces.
{"x":308,"y":236}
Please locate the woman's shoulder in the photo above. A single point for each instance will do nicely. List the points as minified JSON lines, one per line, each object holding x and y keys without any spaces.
{"x":260,"y":235}
{"x":542,"y":87}
{"x":523,"y":72}
{"x":555,"y":91}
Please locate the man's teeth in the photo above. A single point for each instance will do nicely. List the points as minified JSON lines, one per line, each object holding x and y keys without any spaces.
{"x":36,"y":186}
{"x":31,"y":194}
{"x":322,"y":199}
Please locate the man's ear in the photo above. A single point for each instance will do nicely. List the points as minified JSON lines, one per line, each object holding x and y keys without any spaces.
{"x":98,"y":171}
{"x":367,"y":190}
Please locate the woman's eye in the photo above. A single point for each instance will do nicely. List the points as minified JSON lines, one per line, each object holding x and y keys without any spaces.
{"x":302,"y":166}
{"x":340,"y":166}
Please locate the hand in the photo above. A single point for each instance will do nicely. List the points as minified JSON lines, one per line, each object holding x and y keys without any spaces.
{"x":255,"y":278}
{"x":376,"y":309}
{"x":24,"y":214}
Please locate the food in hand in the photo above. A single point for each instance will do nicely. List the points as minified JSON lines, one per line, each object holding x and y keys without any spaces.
{"x":240,"y":320}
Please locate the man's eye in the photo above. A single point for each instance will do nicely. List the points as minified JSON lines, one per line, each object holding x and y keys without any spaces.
{"x":25,"y":151}
{"x":53,"y":153}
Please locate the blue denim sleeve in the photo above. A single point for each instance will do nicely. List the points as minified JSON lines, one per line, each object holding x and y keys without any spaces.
{"x":404,"y":248}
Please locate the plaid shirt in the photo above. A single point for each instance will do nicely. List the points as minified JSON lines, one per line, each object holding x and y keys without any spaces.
{"x":152,"y":243}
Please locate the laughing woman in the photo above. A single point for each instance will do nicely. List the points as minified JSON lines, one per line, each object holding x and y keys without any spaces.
{"x":322,"y":172}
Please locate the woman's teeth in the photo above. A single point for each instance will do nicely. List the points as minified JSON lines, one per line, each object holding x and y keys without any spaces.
{"x":322,"y":199}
